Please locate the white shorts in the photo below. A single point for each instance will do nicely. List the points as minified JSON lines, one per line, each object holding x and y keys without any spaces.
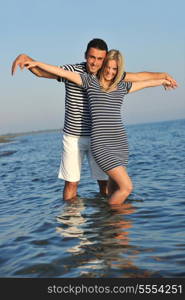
{"x":73,"y":153}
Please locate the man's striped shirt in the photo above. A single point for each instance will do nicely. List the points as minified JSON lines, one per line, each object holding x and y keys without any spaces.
{"x":77,"y":118}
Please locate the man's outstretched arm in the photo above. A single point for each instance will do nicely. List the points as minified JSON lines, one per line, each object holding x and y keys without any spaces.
{"x":19,"y":62}
{"x":141,"y":76}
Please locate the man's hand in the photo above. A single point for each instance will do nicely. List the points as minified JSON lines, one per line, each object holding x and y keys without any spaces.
{"x":19,"y":61}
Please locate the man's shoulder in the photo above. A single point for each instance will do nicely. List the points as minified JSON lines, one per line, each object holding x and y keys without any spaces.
{"x":78,"y":67}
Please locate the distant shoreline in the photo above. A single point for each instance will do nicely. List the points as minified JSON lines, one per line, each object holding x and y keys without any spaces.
{"x":8,"y":137}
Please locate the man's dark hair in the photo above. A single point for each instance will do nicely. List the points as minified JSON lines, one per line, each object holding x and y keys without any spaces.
{"x":97,"y":44}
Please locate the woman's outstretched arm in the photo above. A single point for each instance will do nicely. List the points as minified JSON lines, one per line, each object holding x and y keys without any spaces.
{"x":58,"y":71}
{"x":136,"y":86}
{"x":142,"y":76}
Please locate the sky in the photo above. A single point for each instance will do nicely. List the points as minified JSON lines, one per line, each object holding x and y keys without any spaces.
{"x":150,"y":35}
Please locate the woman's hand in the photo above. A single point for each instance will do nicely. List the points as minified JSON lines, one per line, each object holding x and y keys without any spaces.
{"x":168,"y":84}
{"x":30,"y":64}
{"x":172,"y":81}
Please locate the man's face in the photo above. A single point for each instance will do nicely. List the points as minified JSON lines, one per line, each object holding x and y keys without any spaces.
{"x":95,"y":58}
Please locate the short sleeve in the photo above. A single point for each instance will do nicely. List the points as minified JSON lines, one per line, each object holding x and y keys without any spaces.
{"x":86,"y":80}
{"x":67,"y":68}
{"x":126,"y":86}
{"x":124,"y":74}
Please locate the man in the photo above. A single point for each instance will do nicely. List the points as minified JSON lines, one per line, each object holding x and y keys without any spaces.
{"x":77,"y":123}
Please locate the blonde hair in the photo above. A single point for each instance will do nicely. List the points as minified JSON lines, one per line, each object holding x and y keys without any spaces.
{"x":118,"y":57}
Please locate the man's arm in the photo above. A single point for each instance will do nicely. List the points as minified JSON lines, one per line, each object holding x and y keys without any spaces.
{"x":22,"y":58}
{"x":142,"y":76}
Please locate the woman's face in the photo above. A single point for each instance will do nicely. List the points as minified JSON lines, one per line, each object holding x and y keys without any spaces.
{"x":110,"y":70}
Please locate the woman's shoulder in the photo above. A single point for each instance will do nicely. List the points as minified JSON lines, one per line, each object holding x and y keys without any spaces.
{"x":125,"y":85}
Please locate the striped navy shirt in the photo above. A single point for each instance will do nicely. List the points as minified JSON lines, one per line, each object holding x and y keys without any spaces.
{"x":77,"y":120}
{"x":108,"y":135}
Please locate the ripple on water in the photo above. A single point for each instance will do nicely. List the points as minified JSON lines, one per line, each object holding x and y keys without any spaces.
{"x":42,"y":236}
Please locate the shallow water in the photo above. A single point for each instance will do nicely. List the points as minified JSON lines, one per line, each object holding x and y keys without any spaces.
{"x":43,"y":236}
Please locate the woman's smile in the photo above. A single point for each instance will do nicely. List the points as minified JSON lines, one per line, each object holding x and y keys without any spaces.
{"x":110,"y":70}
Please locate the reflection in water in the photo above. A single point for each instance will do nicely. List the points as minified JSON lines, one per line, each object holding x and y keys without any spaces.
{"x":72,"y":220}
{"x":98,"y":237}
{"x":120,"y":224}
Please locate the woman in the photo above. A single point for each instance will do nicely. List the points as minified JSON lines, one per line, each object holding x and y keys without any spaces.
{"x":108,"y":138}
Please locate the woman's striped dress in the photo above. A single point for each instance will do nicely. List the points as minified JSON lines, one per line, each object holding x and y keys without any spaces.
{"x":108,"y":137}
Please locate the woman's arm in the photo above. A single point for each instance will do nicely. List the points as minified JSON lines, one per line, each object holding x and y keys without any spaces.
{"x":22,"y":58}
{"x":141,"y":76}
{"x":136,"y":86}
{"x":58,"y":71}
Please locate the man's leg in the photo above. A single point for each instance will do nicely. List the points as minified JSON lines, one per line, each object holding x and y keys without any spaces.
{"x":70,"y":167}
{"x":112,"y":186}
{"x":103,"y":187}
{"x":70,"y":190}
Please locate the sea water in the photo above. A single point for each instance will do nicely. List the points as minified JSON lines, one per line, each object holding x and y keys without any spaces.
{"x":44,"y":236}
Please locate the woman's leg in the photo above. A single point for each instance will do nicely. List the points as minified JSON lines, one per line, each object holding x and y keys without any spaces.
{"x":112,"y":186}
{"x":120,"y":177}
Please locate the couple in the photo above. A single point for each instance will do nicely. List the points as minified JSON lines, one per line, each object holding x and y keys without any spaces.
{"x":94,"y":93}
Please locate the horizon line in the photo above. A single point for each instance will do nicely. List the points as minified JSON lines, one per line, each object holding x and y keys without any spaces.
{"x":60,"y":129}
